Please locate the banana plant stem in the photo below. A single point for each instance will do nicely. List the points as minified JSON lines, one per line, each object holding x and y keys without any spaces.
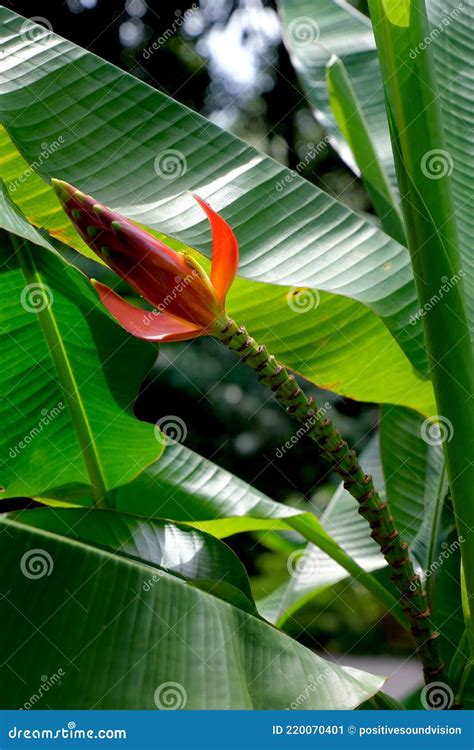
{"x":344,"y":462}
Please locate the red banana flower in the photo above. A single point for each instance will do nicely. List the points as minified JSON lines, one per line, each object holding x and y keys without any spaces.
{"x":187,"y":303}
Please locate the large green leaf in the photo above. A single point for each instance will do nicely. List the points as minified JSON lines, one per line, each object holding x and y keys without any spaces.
{"x":338,"y":346}
{"x":415,"y":480}
{"x":67,"y":391}
{"x":454,"y":58}
{"x":297,"y":236}
{"x":348,"y":114}
{"x":424,"y":168}
{"x":444,"y":585}
{"x":343,"y":31}
{"x":466,"y":693}
{"x":85,"y":614}
{"x":190,"y":554}
{"x":337,"y":28}
{"x":416,"y":487}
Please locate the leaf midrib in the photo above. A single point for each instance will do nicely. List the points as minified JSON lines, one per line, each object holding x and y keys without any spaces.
{"x":66,"y":377}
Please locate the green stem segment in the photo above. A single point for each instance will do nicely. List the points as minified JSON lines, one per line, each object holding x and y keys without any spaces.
{"x":344,"y":462}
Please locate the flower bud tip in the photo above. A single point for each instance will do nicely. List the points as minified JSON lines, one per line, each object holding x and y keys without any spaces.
{"x":61,"y":189}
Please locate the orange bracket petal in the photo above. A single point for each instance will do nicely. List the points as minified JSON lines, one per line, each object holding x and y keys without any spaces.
{"x":225,"y":251}
{"x":145,"y":324}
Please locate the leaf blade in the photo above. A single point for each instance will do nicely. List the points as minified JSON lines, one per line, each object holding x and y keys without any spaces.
{"x":350,"y":118}
{"x":116,"y":652}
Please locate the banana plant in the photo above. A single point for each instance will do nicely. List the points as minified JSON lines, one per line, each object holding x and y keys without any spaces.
{"x":125,"y":539}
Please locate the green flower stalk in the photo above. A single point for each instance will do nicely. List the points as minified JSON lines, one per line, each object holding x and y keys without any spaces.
{"x":188,"y":304}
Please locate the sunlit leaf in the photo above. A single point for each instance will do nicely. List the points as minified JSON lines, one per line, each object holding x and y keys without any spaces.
{"x":88,"y":613}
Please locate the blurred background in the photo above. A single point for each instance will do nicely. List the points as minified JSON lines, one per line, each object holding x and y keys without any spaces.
{"x":225,"y":59}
